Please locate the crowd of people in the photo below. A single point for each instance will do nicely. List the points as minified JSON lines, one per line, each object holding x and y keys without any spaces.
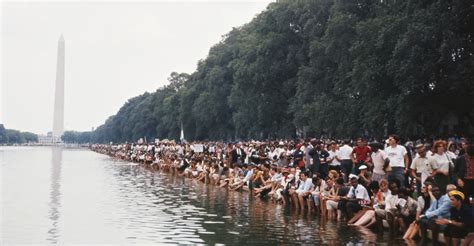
{"x":412,"y":190}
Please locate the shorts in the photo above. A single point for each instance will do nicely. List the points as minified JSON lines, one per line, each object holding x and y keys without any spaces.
{"x":315,"y":196}
{"x":331,"y":205}
{"x":455,"y":232}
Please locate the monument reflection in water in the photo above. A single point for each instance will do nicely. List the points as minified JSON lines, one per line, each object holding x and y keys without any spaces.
{"x":55,"y":195}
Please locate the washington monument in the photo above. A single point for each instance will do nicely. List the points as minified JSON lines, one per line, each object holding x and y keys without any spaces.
{"x":58,"y":122}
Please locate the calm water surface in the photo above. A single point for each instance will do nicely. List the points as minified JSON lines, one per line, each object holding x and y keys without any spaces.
{"x":66,"y":196}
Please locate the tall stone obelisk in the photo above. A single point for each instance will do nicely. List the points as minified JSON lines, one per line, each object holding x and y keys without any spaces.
{"x":58,"y":122}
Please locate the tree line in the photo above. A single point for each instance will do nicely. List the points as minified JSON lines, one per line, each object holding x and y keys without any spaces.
{"x":10,"y":136}
{"x":319,"y":67}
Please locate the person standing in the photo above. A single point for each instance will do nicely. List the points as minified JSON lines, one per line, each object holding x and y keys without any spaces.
{"x":440,"y":164}
{"x":379,"y":160}
{"x":317,"y":157}
{"x":298,"y":158}
{"x":308,"y":160}
{"x":398,"y":157}
{"x":464,"y":172}
{"x":420,"y":167}
{"x":237,"y":155}
{"x":346,"y":162}
{"x":334,"y":159}
{"x":360,"y":155}
{"x":322,"y":155}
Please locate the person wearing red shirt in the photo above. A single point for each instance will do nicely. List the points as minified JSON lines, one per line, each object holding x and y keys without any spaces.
{"x":360,"y":156}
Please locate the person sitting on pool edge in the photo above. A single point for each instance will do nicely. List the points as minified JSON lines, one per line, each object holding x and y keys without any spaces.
{"x":304,"y":190}
{"x":356,"y":197}
{"x":439,"y":209}
{"x":460,"y":222}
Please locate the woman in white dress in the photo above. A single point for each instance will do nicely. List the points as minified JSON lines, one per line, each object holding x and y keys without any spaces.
{"x":440,"y":163}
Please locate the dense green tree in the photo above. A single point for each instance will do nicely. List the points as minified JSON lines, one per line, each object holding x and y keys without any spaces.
{"x":3,"y":134}
{"x":77,"y":137}
{"x":324,"y":67}
{"x":10,"y":136}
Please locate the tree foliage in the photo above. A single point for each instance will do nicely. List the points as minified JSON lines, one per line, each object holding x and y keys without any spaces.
{"x":333,"y":67}
{"x":77,"y":137}
{"x":10,"y":136}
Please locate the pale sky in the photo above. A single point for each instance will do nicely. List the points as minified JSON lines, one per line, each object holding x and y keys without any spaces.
{"x":114,"y":51}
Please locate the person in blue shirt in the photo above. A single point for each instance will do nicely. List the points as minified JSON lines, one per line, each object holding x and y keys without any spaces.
{"x":439,"y":209}
{"x":461,"y":221}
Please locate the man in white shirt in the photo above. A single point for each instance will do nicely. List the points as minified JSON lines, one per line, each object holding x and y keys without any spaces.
{"x":420,"y":166}
{"x":304,"y":188}
{"x":357,"y":195}
{"x":333,"y":159}
{"x":398,"y":157}
{"x":280,"y":149}
{"x":345,"y":152}
{"x":379,"y":160}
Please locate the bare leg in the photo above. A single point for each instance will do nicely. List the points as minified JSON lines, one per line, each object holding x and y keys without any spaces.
{"x":365,"y":218}
{"x":372,"y":222}
{"x":356,"y":217}
{"x":391,"y":223}
{"x":409,"y":231}
{"x":402,"y":225}
{"x":447,"y":241}
{"x":468,"y":239}
{"x":301,"y":200}
{"x":322,"y":204}
{"x":294,"y":200}
{"x":310,"y":204}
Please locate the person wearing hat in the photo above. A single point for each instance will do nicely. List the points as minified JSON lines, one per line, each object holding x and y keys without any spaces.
{"x":461,"y":221}
{"x":365,"y":176}
{"x":420,"y":166}
{"x":280,"y":149}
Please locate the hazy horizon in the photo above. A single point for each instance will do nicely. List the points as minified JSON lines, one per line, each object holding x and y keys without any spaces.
{"x":114,"y":51}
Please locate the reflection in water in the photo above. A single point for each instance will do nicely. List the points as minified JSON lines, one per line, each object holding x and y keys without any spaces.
{"x":121,"y":203}
{"x":55,"y":195}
